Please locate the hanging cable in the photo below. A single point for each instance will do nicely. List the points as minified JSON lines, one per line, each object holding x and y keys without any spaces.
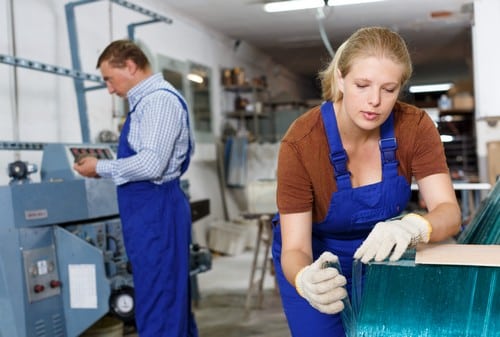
{"x":320,"y":15}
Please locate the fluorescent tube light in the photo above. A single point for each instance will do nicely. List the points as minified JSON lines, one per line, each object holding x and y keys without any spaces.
{"x":430,"y":87}
{"x":293,"y":5}
{"x":447,"y":138}
{"x":194,"y":78}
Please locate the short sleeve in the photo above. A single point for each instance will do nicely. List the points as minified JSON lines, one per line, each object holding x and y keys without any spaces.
{"x":294,"y":184}
{"x":428,"y":152}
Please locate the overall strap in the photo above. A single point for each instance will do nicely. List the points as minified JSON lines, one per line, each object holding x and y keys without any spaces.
{"x":124,"y":149}
{"x":185,"y":163}
{"x":338,"y":155}
{"x":388,"y":146}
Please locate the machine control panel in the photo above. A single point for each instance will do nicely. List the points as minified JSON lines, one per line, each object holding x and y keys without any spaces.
{"x":98,"y":152}
{"x":58,"y":159}
{"x":42,"y":277}
{"x":77,"y":151}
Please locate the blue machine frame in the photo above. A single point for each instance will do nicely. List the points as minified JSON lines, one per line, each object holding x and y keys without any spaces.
{"x":49,"y":230}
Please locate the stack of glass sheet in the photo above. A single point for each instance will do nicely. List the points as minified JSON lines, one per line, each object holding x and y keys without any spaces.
{"x":485,"y":225}
{"x":439,"y":299}
{"x":402,"y":299}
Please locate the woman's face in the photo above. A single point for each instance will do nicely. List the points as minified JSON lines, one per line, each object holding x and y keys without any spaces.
{"x":370,"y":90}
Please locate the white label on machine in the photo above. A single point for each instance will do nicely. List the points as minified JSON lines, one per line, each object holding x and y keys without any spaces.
{"x":82,"y":286}
{"x":42,"y":267}
{"x":36,"y":214}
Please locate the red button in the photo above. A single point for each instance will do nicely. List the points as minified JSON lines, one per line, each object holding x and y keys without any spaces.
{"x":55,"y":284}
{"x":38,"y":288}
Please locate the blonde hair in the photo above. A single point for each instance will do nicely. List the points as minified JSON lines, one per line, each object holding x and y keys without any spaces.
{"x":365,"y":42}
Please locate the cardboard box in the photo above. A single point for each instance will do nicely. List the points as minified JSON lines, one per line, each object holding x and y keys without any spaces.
{"x":493,"y":161}
{"x":463,"y":101}
{"x":227,"y":238}
{"x":261,"y":196}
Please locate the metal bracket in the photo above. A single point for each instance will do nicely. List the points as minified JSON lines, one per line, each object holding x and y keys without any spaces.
{"x":15,"y":146}
{"x":48,"y":68}
{"x":75,"y":58}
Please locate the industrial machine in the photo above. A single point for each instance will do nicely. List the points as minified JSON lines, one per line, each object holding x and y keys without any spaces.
{"x":63,"y":263}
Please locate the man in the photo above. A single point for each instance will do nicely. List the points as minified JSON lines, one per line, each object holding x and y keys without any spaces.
{"x":154,"y":150}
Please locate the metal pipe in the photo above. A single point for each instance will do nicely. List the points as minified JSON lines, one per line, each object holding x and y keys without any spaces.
{"x":14,"y":88}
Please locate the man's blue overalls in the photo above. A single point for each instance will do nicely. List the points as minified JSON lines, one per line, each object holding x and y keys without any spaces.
{"x":352,"y":214}
{"x":156,"y":224}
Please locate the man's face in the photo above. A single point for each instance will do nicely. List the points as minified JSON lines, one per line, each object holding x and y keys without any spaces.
{"x":118,"y":80}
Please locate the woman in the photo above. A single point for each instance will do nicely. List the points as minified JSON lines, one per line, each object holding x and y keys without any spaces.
{"x":344,"y":170}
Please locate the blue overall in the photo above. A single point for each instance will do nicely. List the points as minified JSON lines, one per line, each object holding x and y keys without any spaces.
{"x":352,"y":214}
{"x":156,"y":222}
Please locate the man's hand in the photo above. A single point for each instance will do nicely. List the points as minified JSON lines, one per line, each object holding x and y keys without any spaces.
{"x":322,"y":287}
{"x":397,"y":234}
{"x":86,"y":166}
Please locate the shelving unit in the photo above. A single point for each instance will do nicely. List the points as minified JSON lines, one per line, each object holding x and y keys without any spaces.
{"x":461,"y":149}
{"x":284,"y":114}
{"x":245,"y":105}
{"x":268,"y":123}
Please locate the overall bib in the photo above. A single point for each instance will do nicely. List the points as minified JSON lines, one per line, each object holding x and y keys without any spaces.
{"x":352,"y":213}
{"x":156,"y":223}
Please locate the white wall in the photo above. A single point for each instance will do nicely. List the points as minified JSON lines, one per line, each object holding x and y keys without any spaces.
{"x":486,"y":54}
{"x":42,"y":107}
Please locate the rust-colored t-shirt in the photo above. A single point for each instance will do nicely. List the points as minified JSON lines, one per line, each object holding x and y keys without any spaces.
{"x":305,"y":175}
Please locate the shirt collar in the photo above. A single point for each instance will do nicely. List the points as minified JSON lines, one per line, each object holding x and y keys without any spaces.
{"x":144,"y":88}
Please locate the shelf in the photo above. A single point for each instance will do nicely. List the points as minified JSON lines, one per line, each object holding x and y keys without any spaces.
{"x":246,"y":114}
{"x":244,"y":108}
{"x":244,"y":88}
{"x":286,"y":105}
{"x":469,"y":114}
{"x":461,"y":151}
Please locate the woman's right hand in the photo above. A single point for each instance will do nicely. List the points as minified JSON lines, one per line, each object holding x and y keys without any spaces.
{"x":322,"y":285}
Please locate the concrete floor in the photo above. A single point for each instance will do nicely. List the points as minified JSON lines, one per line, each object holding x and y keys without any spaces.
{"x":221,"y":311}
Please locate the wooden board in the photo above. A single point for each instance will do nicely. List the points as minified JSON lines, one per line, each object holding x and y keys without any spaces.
{"x":459,"y":254}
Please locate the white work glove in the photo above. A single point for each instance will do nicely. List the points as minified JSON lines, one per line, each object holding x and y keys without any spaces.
{"x":322,"y":286}
{"x":397,"y":234}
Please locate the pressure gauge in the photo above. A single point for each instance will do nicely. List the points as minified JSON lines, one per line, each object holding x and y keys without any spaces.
{"x":122,"y":303}
{"x":125,"y":303}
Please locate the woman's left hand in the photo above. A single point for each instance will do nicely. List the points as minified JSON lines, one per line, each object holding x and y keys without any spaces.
{"x":395,"y":234}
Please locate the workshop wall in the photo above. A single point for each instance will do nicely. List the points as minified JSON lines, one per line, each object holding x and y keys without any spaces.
{"x":486,"y":86}
{"x":42,"y":107}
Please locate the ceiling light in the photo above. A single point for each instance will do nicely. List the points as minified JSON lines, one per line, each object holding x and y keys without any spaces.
{"x":293,"y":5}
{"x":430,"y":87}
{"x":194,"y":78}
{"x":447,"y":138}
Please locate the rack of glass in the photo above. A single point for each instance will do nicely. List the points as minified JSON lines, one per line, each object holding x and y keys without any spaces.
{"x":485,"y":225}
{"x":401,"y":299}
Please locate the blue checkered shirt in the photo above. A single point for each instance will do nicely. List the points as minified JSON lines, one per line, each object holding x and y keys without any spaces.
{"x":159,"y":134}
